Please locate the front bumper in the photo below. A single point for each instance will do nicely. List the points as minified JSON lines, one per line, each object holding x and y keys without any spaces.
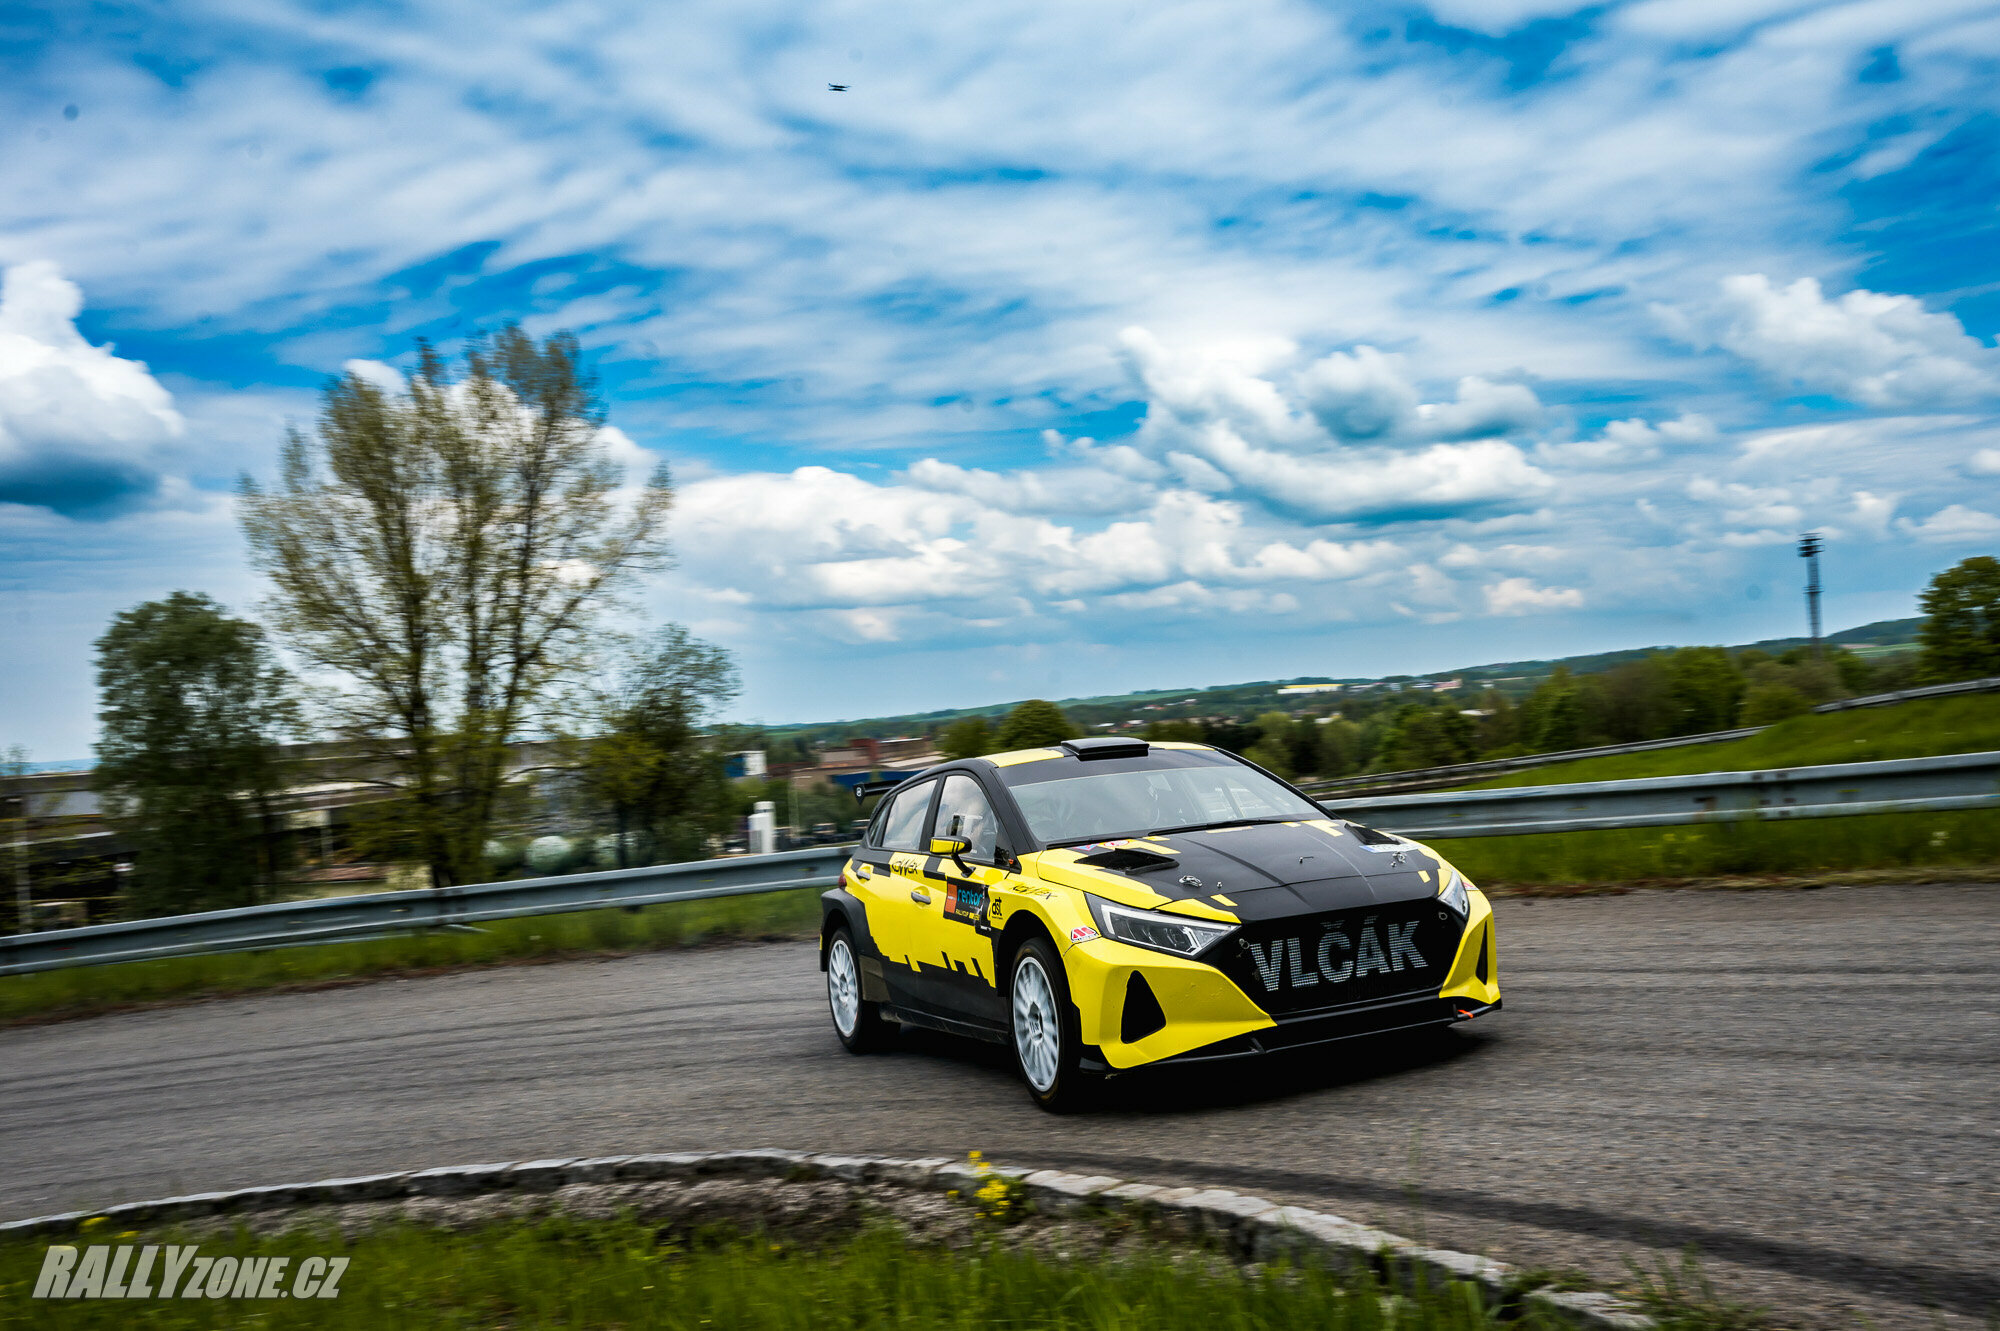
{"x":1197,"y":1012}
{"x":1317,"y":1028}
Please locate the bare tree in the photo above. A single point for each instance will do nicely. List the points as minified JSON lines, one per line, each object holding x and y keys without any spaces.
{"x":447,"y":551}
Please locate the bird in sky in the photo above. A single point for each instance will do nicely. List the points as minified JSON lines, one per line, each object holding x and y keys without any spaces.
{"x":836,"y":87}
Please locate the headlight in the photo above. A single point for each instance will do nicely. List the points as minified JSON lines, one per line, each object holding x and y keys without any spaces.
{"x":1453,"y":893}
{"x":1158,"y":930}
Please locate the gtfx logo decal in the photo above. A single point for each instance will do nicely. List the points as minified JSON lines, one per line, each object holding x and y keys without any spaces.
{"x":1336,"y":958}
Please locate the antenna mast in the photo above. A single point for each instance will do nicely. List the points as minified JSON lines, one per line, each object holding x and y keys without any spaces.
{"x":1809,"y":545}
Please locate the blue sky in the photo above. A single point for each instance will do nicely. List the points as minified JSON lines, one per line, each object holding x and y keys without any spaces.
{"x":1076,"y":348}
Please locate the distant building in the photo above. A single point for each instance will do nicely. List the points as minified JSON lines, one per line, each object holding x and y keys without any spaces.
{"x":1291,"y":689}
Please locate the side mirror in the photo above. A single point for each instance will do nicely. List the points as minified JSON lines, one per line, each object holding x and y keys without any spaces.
{"x":951,"y":847}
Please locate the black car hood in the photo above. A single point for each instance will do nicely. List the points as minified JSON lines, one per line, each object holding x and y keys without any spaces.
{"x":1270,"y":871}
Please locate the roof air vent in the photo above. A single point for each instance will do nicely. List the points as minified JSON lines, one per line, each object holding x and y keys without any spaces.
{"x":1106,"y":746}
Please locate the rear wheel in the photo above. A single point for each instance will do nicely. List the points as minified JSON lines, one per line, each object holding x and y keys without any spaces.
{"x":1043,"y":1029}
{"x":857,"y":1022}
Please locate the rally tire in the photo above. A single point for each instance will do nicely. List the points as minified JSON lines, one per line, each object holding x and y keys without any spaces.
{"x":858,"y":1022}
{"x":1042,"y":1029}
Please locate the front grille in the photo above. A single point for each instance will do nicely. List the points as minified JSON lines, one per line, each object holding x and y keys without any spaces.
{"x":1311,"y":962}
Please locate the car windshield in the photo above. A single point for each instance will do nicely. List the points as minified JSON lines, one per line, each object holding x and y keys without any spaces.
{"x":1165,"y":790}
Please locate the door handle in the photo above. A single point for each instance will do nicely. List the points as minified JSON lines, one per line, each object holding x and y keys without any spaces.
{"x":920,"y":898}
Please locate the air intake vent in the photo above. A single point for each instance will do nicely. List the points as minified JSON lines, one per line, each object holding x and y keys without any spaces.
{"x":1484,"y":970}
{"x":1142,"y":1010}
{"x":1129,"y":859}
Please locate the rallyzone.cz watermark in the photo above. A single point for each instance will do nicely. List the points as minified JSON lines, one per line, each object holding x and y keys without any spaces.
{"x":128,"y":1271}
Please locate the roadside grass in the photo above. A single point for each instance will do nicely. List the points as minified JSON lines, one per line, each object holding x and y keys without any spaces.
{"x":82,"y":990}
{"x":1804,"y":847}
{"x":1941,"y":842}
{"x":1922,"y":729}
{"x":569,"y":1272}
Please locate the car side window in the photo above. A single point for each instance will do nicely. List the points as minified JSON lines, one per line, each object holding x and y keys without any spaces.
{"x":903,"y":828}
{"x":964,"y":811}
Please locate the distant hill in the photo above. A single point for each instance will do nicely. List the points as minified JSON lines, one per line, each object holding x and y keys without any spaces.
{"x":1870,"y":639}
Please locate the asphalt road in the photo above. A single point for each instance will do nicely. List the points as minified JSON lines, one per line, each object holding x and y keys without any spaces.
{"x":1805,"y":1084}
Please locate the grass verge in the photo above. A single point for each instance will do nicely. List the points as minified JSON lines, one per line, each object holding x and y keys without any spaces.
{"x":1809,"y":849}
{"x":1921,"y":729}
{"x":570,"y":1272}
{"x":85,"y":990}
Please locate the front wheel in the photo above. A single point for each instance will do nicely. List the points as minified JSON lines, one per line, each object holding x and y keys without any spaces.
{"x":1043,"y":1027}
{"x":857,"y":1022}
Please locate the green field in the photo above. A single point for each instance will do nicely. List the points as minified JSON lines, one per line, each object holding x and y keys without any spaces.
{"x":82,"y":990}
{"x":1923,"y":729}
{"x":1940,"y":841}
{"x":571,"y":1273}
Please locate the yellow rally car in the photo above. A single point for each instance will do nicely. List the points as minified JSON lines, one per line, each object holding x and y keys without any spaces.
{"x":1110,"y":904}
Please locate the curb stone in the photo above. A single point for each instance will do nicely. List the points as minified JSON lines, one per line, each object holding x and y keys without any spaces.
{"x":1252,"y":1227}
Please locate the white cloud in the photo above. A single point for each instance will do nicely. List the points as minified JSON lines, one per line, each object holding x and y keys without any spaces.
{"x":79,"y":427}
{"x":379,"y":373}
{"x":1872,"y":513}
{"x":1053,"y":490}
{"x":822,"y":540}
{"x":1342,"y":444}
{"x":1358,"y":395}
{"x":1954,"y":524}
{"x":1986,"y":462}
{"x":1519,"y":596}
{"x":1626,"y":442}
{"x":1742,"y":505}
{"x":1868,"y":347}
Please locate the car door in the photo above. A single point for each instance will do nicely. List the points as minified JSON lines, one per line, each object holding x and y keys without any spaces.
{"x":955,"y":921}
{"x":894,"y":891}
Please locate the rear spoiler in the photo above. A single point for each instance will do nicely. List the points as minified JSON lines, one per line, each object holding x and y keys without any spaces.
{"x":867,"y":789}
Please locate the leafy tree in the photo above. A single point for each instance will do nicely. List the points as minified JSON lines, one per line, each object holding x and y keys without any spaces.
{"x":1186,"y":732}
{"x":1770,"y":699}
{"x":1272,"y":751}
{"x":1499,"y":729}
{"x":1961,"y":636}
{"x":1856,"y":675}
{"x":1635,"y":701}
{"x":1552,"y":719}
{"x":447,"y":550}
{"x":648,"y":763}
{"x":1339,"y":748}
{"x":192,"y":708}
{"x":787,"y":749}
{"x":1233,"y":736}
{"x":969,"y":737}
{"x":1033,"y":724}
{"x":1422,"y":736}
{"x":1703,"y":686}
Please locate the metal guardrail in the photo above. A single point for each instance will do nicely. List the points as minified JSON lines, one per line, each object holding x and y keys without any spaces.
{"x":1987,"y":685}
{"x":347,"y":919}
{"x":1905,"y":785}
{"x":1956,"y":781}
